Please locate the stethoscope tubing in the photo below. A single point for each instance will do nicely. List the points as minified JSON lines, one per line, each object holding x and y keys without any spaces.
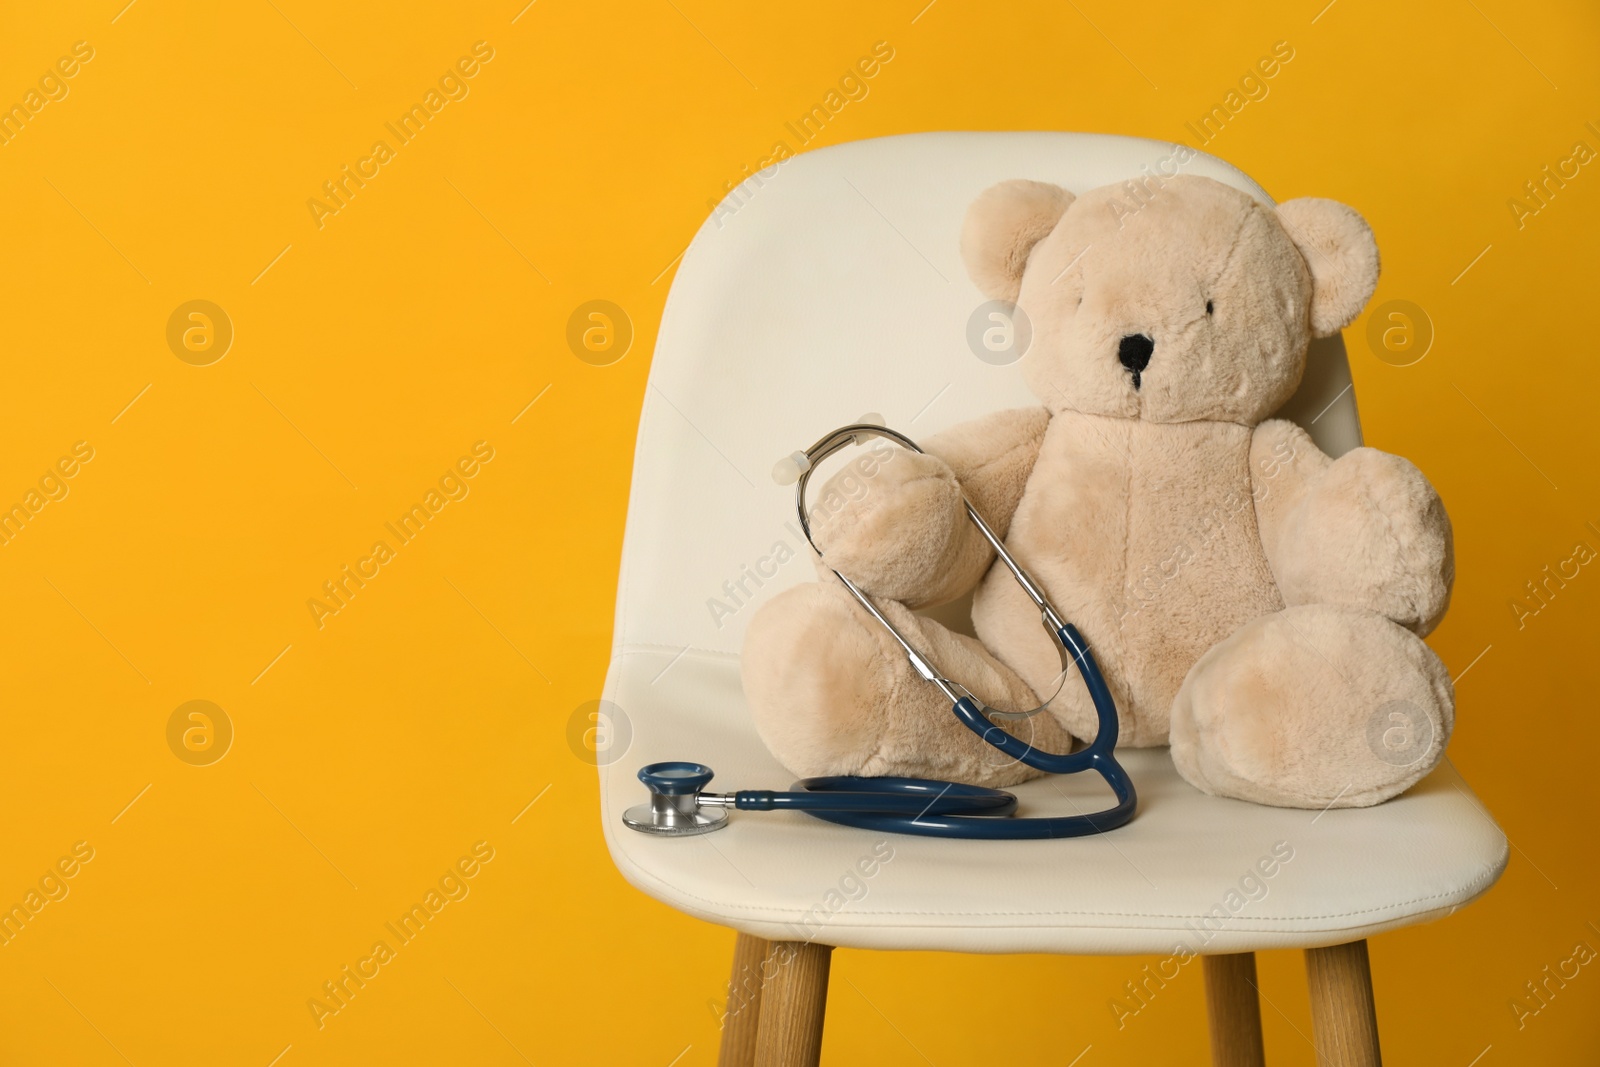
{"x":930,"y":808}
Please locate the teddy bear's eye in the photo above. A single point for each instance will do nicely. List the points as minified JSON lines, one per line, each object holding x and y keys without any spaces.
{"x":1208,"y":307}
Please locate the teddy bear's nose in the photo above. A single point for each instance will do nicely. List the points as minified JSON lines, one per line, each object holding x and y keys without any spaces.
{"x":1134,"y":353}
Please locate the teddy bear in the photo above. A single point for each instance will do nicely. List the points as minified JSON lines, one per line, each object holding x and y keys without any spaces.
{"x":1252,"y":602}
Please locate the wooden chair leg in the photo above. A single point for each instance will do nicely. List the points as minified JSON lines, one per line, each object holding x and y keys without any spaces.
{"x":792,"y":1004}
{"x":743,"y":1016}
{"x":1234,"y":1010}
{"x":1343,"y":1017}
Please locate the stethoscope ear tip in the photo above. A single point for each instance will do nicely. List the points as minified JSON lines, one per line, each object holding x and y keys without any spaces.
{"x":788,"y":470}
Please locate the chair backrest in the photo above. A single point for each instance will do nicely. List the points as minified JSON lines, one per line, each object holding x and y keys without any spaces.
{"x":831,"y":288}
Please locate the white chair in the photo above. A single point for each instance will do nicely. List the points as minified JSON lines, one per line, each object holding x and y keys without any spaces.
{"x":832,"y":288}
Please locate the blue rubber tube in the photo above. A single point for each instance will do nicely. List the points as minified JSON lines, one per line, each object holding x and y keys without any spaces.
{"x":929,"y":808}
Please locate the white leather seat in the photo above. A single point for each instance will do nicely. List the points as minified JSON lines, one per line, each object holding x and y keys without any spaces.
{"x":833,"y":289}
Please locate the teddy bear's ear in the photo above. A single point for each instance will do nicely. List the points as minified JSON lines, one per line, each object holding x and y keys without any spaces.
{"x":1341,"y":254}
{"x":1001,"y":228}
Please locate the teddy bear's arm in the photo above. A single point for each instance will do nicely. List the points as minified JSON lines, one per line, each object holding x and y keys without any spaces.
{"x":903,"y":532}
{"x":992,"y":458}
{"x":1366,"y":530}
{"x":1284,"y":463}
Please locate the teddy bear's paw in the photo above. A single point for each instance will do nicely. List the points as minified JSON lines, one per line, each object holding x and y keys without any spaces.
{"x":831,"y":693}
{"x":891,"y":526}
{"x":1371,"y":533}
{"x":1314,"y":706}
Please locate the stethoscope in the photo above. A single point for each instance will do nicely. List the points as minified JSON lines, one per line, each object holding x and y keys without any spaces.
{"x":679,"y":805}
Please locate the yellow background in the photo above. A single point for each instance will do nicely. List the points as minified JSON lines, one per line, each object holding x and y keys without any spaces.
{"x":430,"y":311}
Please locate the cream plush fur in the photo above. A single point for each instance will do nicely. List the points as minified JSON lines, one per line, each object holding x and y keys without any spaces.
{"x":1252,"y":602}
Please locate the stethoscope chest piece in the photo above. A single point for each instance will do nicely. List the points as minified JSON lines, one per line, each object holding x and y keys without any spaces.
{"x":675,"y":808}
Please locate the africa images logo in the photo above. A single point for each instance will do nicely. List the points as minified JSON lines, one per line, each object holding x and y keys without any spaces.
{"x":452,"y":85}
{"x":341,"y":589}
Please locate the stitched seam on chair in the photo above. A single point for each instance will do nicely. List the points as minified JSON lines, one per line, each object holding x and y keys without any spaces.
{"x":1233,"y":928}
{"x":619,"y":626}
{"x":1489,"y":877}
{"x":649,"y":648}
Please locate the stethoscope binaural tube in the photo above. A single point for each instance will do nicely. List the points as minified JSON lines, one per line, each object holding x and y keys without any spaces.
{"x":916,"y":806}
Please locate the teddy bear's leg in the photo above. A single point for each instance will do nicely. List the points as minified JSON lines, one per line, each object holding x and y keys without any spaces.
{"x":832,"y":693}
{"x":1311,"y":707}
